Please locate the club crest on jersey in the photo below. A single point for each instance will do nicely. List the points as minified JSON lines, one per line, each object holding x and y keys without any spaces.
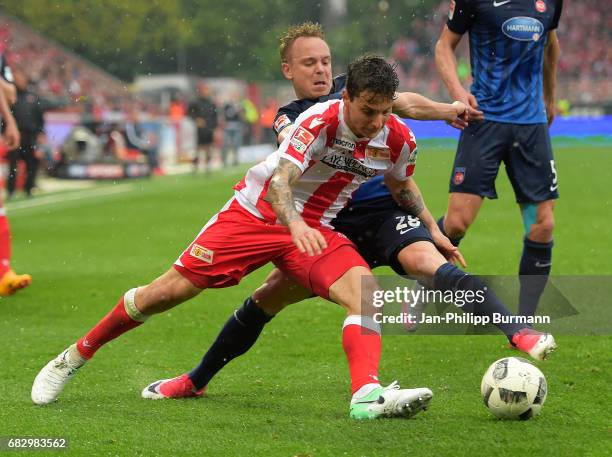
{"x":301,"y":139}
{"x":377,"y":153}
{"x":200,"y":252}
{"x":282,"y":122}
{"x":540,"y":5}
{"x":459,"y":175}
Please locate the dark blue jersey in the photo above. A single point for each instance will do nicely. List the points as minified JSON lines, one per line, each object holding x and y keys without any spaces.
{"x":287,"y":115}
{"x":507,"y":41}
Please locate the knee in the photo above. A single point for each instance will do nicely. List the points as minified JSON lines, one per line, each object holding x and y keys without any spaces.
{"x":278,"y":292}
{"x":163,"y":294}
{"x":456,"y":224}
{"x":421,"y":259}
{"x":542,"y":229}
{"x":355,"y":291}
{"x":154,"y":298}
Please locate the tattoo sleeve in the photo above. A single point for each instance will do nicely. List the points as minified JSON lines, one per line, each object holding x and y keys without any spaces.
{"x":280,"y":194}
{"x":410,"y":201}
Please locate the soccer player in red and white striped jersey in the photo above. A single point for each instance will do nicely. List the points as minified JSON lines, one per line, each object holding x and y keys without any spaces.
{"x":281,"y":213}
{"x":330,"y":173}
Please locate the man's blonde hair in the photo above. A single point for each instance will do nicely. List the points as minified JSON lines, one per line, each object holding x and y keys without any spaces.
{"x":305,"y":29}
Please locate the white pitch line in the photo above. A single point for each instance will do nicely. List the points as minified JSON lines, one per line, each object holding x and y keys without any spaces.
{"x":66,"y":197}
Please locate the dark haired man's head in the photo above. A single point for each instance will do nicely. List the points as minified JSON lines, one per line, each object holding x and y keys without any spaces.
{"x":368,"y":97}
{"x":372,"y":74}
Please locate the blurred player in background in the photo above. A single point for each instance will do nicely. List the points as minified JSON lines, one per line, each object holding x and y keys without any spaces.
{"x":514,"y":53}
{"x":10,"y":282}
{"x":403,"y":236}
{"x":28,"y":112}
{"x":203,"y":111}
{"x":233,"y":124}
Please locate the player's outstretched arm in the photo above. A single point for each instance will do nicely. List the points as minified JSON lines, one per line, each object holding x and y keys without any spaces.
{"x":446,"y":62}
{"x":280,"y":196}
{"x":551,"y":60}
{"x":415,"y":106}
{"x":408,"y":196}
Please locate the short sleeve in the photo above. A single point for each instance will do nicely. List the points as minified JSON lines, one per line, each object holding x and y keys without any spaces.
{"x":285,"y":117}
{"x":555,"y":20}
{"x":459,"y":17}
{"x":403,"y":168}
{"x":304,"y":139}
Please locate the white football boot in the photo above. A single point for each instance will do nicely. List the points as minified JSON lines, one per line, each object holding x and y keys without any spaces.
{"x":391,"y":401}
{"x":54,"y":376}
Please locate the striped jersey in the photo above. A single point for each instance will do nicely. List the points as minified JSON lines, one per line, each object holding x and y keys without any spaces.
{"x":286,"y":116}
{"x":333,"y":161}
{"x":507,"y":41}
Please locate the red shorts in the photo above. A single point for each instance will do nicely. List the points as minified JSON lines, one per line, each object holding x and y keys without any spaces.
{"x":234,"y":243}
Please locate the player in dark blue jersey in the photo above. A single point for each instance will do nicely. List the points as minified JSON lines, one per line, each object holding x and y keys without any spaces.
{"x":513,"y":53}
{"x":384,"y":233}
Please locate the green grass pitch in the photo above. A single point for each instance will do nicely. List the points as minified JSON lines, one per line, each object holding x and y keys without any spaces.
{"x":288,"y":396}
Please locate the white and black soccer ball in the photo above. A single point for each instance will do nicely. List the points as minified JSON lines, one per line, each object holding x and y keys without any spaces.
{"x":513,"y":388}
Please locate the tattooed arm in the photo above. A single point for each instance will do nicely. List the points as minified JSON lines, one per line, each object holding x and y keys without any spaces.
{"x":280,"y":195}
{"x":408,"y":196}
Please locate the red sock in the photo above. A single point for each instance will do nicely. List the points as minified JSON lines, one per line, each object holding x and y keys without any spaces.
{"x":5,"y":244}
{"x":362,"y":347}
{"x":114,"y":324}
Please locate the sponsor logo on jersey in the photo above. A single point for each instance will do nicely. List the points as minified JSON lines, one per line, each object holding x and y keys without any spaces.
{"x":301,"y":139}
{"x":459,"y":175}
{"x":343,"y":144}
{"x":200,"y":252}
{"x":540,"y":5}
{"x":377,"y":153}
{"x":342,"y":162}
{"x":282,"y":122}
{"x":451,"y":10}
{"x":523,"y":28}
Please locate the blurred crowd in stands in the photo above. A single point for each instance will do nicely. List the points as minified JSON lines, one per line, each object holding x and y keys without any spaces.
{"x":585,"y":68}
{"x":126,"y":125}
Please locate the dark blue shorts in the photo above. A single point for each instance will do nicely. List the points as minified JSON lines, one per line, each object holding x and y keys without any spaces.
{"x":380,"y":229}
{"x":524,"y":149}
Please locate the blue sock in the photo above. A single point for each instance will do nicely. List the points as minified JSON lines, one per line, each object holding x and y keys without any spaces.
{"x":455,"y":241}
{"x":237,"y":336}
{"x":449,"y":277}
{"x":534,"y":270}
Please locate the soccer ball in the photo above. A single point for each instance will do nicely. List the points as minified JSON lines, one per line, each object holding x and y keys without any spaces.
{"x":513,"y":388}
